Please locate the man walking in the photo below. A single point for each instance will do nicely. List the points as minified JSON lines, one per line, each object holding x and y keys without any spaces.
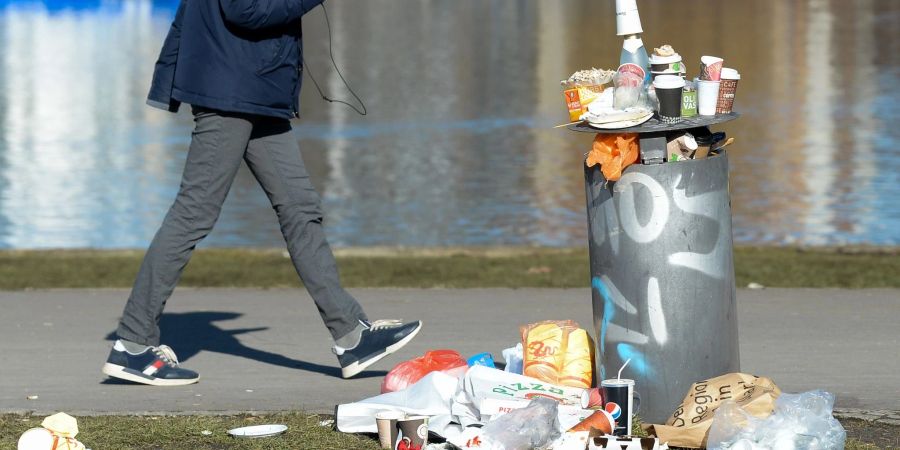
{"x":238,"y":63}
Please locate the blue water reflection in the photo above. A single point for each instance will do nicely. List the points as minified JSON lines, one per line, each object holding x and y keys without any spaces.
{"x":459,"y":147}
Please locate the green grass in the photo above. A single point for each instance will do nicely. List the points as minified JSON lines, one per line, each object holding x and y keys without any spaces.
{"x":304,"y":432}
{"x":186,"y":432}
{"x":450,"y":268}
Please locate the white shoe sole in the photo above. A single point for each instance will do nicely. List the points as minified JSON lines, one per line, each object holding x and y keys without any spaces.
{"x":117,"y":371}
{"x":357,"y":367}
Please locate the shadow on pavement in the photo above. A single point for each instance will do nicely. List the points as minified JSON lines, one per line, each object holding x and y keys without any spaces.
{"x":193,"y":332}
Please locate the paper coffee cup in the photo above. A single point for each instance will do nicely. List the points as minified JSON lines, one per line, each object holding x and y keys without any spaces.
{"x":666,"y":64}
{"x":592,"y":399}
{"x":707,"y":95}
{"x":668,"y":91}
{"x":727,"y":88}
{"x":628,"y":21}
{"x":412,"y":432}
{"x":710,"y":68}
{"x":387,"y":427}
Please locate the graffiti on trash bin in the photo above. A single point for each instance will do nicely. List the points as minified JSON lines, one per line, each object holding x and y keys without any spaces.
{"x":702,"y":205}
{"x":611,"y":332}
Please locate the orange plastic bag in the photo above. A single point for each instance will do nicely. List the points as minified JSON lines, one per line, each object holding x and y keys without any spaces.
{"x":614,"y":152}
{"x":409,"y":372}
{"x":558,"y":352}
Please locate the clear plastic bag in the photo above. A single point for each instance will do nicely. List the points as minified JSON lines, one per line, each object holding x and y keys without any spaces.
{"x":533,"y":427}
{"x":513,"y":357}
{"x":628,"y":90}
{"x":800,"y":421}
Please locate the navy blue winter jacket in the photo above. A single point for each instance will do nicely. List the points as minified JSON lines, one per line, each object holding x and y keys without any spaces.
{"x":233,"y":55}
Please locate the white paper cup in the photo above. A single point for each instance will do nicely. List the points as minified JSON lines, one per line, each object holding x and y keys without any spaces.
{"x":707,"y":95}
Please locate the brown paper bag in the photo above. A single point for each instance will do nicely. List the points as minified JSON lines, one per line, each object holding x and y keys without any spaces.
{"x":689,"y":425}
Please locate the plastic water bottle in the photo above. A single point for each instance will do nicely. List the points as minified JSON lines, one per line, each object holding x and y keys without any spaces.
{"x":628,"y":24}
{"x":633,"y":51}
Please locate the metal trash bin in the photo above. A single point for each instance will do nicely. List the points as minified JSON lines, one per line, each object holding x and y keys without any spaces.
{"x":662,"y":277}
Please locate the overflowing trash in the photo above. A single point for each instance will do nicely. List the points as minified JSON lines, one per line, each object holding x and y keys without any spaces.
{"x":799,"y":421}
{"x":478,"y":406}
{"x":57,"y":432}
{"x":614,"y":152}
{"x":689,"y":424}
{"x":648,"y":94}
{"x":551,"y":404}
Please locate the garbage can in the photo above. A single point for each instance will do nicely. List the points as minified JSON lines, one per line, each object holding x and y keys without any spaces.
{"x":662,"y":276}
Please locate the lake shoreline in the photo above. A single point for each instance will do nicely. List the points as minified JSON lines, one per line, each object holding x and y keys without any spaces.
{"x":445,"y":267}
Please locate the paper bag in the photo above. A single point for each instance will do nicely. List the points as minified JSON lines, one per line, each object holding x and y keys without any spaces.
{"x":689,"y":425}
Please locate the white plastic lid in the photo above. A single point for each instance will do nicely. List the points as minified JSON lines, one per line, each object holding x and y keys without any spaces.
{"x":730,"y":74}
{"x":628,"y":21}
{"x":656,"y":59}
{"x":668,"y":82}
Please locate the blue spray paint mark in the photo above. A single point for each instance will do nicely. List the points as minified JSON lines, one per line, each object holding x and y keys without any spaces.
{"x":638,"y":362}
{"x":609,"y":311}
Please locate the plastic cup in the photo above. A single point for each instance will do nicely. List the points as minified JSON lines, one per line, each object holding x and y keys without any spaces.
{"x":668,"y":91}
{"x":707,"y":95}
{"x":727,"y":88}
{"x":412,"y":432}
{"x":387,"y":427}
{"x":619,"y":402}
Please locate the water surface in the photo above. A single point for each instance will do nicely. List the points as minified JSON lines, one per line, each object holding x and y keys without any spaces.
{"x":458,"y":148}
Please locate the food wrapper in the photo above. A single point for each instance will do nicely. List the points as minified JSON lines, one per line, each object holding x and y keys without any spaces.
{"x":689,"y":424}
{"x":58,"y":432}
{"x":61,"y":424}
{"x":582,"y":88}
{"x":614,"y":152}
{"x":544,"y":344}
{"x":578,"y":367}
{"x":578,"y":99}
{"x":557,"y":352}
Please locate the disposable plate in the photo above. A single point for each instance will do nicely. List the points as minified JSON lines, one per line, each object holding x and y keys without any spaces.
{"x":621,"y":124}
{"x":258,"y":431}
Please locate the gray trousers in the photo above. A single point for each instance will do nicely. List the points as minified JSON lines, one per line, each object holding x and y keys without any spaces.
{"x":219,"y":143}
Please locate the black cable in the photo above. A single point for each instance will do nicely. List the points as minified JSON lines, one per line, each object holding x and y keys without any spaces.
{"x":341,"y":75}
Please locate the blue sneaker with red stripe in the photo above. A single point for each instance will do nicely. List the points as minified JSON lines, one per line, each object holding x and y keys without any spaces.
{"x":156,"y":366}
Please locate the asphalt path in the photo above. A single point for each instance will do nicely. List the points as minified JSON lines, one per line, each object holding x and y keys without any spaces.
{"x":267,"y":350}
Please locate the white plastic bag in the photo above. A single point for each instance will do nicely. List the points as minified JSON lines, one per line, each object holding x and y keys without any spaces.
{"x":431,"y":396}
{"x":800,"y":421}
